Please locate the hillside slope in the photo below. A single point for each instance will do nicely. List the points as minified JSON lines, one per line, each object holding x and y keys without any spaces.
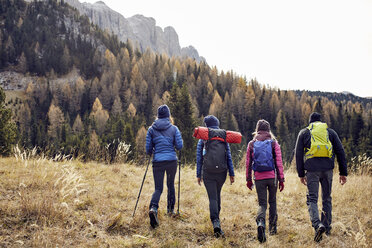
{"x":72,"y":204}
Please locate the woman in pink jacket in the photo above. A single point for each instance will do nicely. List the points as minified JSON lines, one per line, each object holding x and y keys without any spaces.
{"x":264,"y":157}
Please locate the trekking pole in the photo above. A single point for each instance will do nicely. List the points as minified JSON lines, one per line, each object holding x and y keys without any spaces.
{"x":179,"y":182}
{"x":143,"y":180}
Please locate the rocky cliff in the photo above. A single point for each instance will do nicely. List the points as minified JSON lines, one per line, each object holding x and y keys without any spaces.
{"x":141,"y":30}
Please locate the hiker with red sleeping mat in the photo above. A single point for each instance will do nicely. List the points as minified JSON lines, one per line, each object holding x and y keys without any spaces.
{"x":213,"y":160}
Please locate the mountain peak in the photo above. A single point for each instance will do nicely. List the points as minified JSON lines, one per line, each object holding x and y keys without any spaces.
{"x":139,"y":29}
{"x":100,"y":2}
{"x":346,"y":93}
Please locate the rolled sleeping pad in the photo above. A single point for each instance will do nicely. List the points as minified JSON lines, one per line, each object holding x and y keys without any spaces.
{"x":201,"y":133}
{"x":231,"y":136}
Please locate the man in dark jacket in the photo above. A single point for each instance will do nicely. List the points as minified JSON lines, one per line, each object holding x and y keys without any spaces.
{"x":319,"y":170}
{"x":162,"y":139}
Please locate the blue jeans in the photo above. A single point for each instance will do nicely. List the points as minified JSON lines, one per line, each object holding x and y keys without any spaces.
{"x":325,"y":180}
{"x":159,"y":169}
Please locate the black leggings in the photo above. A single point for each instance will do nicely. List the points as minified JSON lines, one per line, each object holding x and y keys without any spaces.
{"x":159,"y":169}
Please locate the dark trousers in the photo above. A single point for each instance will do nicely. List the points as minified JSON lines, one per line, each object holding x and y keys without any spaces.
{"x":325,"y":180}
{"x":213,"y":183}
{"x":262,"y":187}
{"x":158,"y":170}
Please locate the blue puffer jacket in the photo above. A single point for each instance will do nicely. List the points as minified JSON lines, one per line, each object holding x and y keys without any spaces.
{"x":199,"y":158}
{"x":161,"y":139}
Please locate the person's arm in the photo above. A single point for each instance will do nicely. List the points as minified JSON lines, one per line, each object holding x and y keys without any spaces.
{"x":279,"y":165}
{"x":248,"y":167}
{"x":248,"y":163}
{"x":230,"y":165}
{"x":229,"y":161}
{"x":199,"y":158}
{"x":338,"y":149}
{"x":279,"y":162}
{"x":300,"y":154}
{"x":178,"y":139}
{"x":149,"y":143}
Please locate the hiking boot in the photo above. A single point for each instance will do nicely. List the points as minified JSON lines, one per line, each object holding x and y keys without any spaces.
{"x":171,"y":212}
{"x":217,"y":229}
{"x":272,"y":225}
{"x":221,"y":234}
{"x":272,"y":229}
{"x":319,"y":232}
{"x":261,"y":231}
{"x":153,"y":214}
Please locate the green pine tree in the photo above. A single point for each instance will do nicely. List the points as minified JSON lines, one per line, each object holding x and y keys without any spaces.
{"x":357,"y":126}
{"x":282,"y":134}
{"x":8,"y":130}
{"x":182,"y":113}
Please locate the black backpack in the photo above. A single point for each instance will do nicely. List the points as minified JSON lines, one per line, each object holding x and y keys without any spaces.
{"x":214,"y":155}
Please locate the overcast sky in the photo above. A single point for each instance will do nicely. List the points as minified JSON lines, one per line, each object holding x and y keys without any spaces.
{"x":321,"y":45}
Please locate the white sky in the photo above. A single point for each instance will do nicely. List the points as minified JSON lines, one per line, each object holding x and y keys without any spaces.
{"x":321,"y":45}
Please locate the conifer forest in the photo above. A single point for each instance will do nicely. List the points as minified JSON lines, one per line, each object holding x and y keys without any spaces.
{"x":109,"y":104}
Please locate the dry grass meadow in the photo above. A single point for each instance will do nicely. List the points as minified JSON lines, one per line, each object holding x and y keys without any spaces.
{"x":44,"y":203}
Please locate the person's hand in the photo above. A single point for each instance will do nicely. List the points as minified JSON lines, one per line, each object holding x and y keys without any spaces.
{"x":200,"y":181}
{"x":343,"y":180}
{"x":250,"y":184}
{"x":232,"y":179}
{"x":281,"y":186}
{"x":303,"y":180}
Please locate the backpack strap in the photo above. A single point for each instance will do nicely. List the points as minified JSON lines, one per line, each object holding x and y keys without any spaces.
{"x":252,"y":144}
{"x":218,"y":138}
{"x":274,"y":154}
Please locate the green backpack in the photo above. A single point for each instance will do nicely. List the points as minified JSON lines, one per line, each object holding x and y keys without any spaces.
{"x":320,"y":146}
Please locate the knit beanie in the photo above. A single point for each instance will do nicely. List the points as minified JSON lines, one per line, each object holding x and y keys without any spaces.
{"x":211,"y":121}
{"x":314,"y":117}
{"x":163,"y":111}
{"x":263,"y":125}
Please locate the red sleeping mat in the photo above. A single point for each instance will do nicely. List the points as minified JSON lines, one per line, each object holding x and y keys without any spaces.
{"x":231,"y":136}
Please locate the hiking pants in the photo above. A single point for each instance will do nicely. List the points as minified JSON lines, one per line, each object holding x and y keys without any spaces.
{"x":158,"y":170}
{"x":262,"y":187}
{"x":213,"y":183}
{"x":325,"y":180}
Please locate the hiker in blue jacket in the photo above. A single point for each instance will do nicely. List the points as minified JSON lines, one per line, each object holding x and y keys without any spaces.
{"x":161,"y":140}
{"x":213,"y":182}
